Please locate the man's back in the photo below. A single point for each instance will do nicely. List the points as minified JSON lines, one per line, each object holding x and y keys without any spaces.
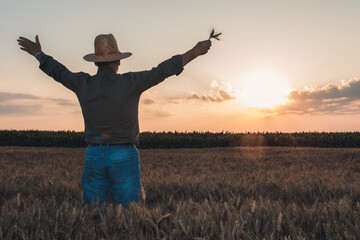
{"x":109,"y":104}
{"x":109,"y":101}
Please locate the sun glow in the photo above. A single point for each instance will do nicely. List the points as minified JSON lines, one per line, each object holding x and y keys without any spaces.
{"x":264,"y":90}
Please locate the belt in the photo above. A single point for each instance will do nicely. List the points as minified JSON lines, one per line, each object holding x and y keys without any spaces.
{"x":109,"y":144}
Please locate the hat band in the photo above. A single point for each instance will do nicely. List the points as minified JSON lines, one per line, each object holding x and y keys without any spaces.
{"x":105,"y":53}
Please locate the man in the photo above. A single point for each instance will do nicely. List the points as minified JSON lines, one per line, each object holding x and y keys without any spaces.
{"x":109,"y":103}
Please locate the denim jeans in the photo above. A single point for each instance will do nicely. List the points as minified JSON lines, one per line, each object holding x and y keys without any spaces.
{"x":114,"y":168}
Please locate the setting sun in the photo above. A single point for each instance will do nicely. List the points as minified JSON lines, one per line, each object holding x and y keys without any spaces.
{"x":263,"y":90}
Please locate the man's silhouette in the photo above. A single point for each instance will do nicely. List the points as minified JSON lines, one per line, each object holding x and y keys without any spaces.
{"x":109,"y":104}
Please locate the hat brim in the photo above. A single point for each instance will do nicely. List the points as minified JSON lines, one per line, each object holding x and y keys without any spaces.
{"x":92,"y":57}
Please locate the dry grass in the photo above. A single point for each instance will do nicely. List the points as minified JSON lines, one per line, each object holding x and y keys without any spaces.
{"x":219,"y":193}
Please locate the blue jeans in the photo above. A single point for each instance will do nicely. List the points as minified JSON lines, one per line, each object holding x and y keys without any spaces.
{"x":114,"y":168}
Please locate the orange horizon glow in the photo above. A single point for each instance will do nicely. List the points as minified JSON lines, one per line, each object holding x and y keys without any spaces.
{"x":278,"y":67}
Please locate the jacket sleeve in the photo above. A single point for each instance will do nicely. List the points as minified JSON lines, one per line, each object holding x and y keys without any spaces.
{"x":61,"y":74}
{"x":147,"y":79}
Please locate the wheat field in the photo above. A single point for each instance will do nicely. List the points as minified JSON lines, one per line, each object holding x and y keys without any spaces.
{"x":215,"y":193}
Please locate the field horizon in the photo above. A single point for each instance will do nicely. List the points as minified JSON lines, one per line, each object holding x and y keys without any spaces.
{"x":194,"y":139}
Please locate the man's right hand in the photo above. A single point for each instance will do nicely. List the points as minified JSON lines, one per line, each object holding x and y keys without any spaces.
{"x":202,"y":47}
{"x":30,"y":46}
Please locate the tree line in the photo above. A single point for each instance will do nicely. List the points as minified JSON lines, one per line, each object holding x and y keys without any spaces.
{"x":72,"y":139}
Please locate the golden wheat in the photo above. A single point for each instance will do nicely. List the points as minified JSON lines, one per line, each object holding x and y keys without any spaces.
{"x":224,"y":193}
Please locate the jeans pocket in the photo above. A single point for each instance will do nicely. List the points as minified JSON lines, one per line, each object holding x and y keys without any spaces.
{"x":125,"y":167}
{"x":90,"y":161}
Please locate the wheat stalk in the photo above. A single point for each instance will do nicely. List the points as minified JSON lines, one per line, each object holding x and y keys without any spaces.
{"x":214,"y":35}
{"x":143,"y":194}
{"x":253,"y":206}
{"x":278,"y":226}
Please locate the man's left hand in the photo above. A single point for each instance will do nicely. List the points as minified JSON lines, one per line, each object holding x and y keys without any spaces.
{"x":30,"y":46}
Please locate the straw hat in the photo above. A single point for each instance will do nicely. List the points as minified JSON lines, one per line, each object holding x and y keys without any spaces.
{"x":106,"y":50}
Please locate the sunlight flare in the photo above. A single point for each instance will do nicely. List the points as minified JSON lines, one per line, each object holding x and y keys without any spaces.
{"x":264,"y":90}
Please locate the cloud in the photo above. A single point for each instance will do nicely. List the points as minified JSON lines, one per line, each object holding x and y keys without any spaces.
{"x":162,"y":114}
{"x":220,"y":92}
{"x":155,"y":113}
{"x":347,"y":89}
{"x":63,"y":102}
{"x":76,"y":111}
{"x":343,"y":98}
{"x":23,"y":104}
{"x":6,"y":96}
{"x":148,"y":101}
{"x":20,"y":110}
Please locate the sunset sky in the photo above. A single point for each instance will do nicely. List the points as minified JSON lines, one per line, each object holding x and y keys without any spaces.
{"x":280,"y":65}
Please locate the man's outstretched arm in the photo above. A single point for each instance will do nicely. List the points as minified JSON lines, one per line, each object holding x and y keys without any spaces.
{"x":50,"y":66}
{"x":173,"y":66}
{"x":200,"y":48}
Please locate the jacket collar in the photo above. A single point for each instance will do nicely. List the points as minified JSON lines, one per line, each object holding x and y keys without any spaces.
{"x":106,"y":69}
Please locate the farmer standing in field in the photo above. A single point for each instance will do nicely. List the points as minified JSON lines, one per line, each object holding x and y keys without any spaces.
{"x":109,"y":104}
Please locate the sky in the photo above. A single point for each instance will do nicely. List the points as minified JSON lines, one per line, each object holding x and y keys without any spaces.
{"x":284,"y":66}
